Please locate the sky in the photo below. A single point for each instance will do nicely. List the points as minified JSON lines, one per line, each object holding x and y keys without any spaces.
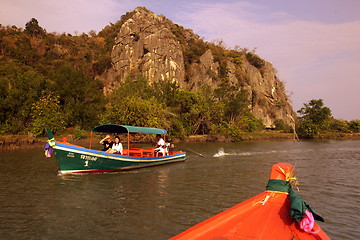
{"x":313,"y":44}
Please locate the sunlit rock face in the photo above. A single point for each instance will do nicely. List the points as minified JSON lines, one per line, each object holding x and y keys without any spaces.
{"x":146,"y":44}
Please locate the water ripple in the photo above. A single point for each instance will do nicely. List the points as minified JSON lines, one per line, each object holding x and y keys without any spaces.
{"x":159,"y":202}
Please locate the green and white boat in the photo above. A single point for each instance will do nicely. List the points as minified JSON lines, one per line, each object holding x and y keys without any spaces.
{"x":76,"y":159}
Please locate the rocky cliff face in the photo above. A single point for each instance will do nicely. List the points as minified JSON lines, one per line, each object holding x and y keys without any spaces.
{"x":145,"y":43}
{"x":154,"y":46}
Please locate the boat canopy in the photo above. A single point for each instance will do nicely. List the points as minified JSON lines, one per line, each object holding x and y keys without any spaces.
{"x":115,"y":128}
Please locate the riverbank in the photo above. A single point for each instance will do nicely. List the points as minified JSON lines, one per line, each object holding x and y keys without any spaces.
{"x":246,"y":136}
{"x":268,"y":136}
{"x":17,"y":141}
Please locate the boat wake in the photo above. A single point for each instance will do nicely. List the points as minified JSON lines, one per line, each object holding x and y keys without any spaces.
{"x":222,"y":153}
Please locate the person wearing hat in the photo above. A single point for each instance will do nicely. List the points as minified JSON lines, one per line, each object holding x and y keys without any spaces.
{"x":106,"y":142}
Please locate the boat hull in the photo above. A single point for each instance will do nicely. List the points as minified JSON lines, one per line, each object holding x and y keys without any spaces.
{"x":253,"y":219}
{"x":267,"y":215}
{"x":75,"y":159}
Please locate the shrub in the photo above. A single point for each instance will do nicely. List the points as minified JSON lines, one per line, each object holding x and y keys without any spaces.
{"x":80,"y":133}
{"x":308,"y":129}
{"x":338,"y":125}
{"x":46,"y":113}
{"x":255,"y":60}
{"x":101,"y":65}
{"x":354,"y":125}
{"x":233,"y":131}
{"x":280,"y":125}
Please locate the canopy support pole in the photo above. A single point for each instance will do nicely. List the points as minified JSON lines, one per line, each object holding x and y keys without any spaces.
{"x":129,"y":143}
{"x":91,"y":134}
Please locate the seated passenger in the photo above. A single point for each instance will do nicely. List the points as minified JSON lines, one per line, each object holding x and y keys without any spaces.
{"x":160,"y":146}
{"x":106,"y":142}
{"x":116,"y":146}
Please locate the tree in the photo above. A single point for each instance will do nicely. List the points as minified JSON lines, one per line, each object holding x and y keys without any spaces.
{"x":354,"y":125}
{"x":195,"y":111}
{"x":235,"y":101}
{"x":133,"y":110}
{"x":313,"y":117}
{"x":315,"y":112}
{"x":81,"y":98}
{"x":32,"y":27}
{"x":134,"y":103}
{"x":46,"y":113}
{"x":20,"y":88}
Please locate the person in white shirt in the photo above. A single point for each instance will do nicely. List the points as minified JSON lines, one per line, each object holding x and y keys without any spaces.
{"x":116,"y":146}
{"x":160,"y":146}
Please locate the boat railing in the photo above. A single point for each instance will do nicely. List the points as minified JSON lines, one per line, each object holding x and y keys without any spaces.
{"x":144,"y":152}
{"x":67,"y":143}
{"x":139,"y":152}
{"x":147,"y":152}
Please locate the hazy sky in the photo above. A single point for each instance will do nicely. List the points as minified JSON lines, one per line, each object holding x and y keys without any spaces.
{"x":314,"y":44}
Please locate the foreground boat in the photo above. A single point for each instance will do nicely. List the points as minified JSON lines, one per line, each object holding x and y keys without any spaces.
{"x":76,"y":159}
{"x":276,"y":214}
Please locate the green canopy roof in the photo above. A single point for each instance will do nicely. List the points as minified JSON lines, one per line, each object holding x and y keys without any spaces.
{"x":115,"y":128}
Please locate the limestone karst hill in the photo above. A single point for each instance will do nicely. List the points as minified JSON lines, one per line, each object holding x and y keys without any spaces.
{"x":78,"y":81}
{"x":159,"y":49}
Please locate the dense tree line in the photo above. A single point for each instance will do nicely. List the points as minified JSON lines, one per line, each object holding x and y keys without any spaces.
{"x":315,"y":119}
{"x":48,"y":80}
{"x":183,"y":112}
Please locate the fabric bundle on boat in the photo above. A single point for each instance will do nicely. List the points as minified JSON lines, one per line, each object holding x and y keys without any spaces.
{"x":297,"y":206}
{"x":276,"y":214}
{"x":48,"y":147}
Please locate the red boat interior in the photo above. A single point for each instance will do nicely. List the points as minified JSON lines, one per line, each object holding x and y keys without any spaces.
{"x":133,"y":152}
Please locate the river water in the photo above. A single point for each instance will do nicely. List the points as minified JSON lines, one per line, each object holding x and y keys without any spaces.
{"x":160,"y":202}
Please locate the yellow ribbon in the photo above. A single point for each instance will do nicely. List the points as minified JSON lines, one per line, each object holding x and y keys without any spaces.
{"x":290,"y":177}
{"x":51,"y":142}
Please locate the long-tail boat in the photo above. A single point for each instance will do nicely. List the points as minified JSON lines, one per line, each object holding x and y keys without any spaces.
{"x":276,"y":214}
{"x":77,"y":159}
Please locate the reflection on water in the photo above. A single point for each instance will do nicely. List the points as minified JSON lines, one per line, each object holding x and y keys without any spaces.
{"x":159,"y":202}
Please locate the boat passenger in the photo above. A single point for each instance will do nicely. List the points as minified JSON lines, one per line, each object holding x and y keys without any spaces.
{"x":116,"y":146}
{"x":106,"y":142}
{"x":160,"y":145}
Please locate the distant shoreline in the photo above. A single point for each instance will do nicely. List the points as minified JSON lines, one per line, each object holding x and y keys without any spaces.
{"x":24,"y":141}
{"x":269,"y":136}
{"x":17,"y":141}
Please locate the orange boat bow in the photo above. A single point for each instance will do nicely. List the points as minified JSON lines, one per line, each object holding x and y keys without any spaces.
{"x":265,"y":216}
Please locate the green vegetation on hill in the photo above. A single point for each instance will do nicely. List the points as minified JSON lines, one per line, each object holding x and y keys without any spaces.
{"x":40,"y":70}
{"x":316,"y":121}
{"x":182,"y":112}
{"x":194,"y":48}
{"x":48,"y":80}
